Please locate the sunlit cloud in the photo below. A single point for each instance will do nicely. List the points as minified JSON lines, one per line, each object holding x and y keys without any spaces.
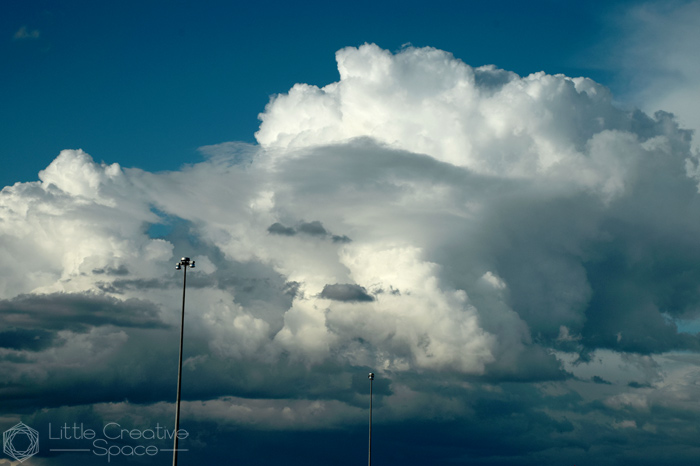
{"x":451,"y":228}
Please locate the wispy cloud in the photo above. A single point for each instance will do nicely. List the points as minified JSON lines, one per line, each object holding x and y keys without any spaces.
{"x":656,"y":55}
{"x":25,"y":34}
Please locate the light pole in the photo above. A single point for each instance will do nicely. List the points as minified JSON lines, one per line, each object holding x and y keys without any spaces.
{"x":184,"y":263}
{"x":369,"y":459}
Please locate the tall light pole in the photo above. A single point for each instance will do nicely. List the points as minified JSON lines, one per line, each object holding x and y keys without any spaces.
{"x":369,"y":459}
{"x":184,"y":263}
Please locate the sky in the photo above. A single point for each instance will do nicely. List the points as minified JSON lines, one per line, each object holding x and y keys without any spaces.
{"x":493,"y":206}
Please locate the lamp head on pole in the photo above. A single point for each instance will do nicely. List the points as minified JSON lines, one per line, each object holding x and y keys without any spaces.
{"x":371,"y":376}
{"x":186,"y":262}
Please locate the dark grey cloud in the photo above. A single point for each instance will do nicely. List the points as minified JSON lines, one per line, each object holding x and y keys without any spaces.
{"x":533,"y":364}
{"x":516,"y":424}
{"x":121,"y":270}
{"x":314,"y":228}
{"x":279,"y":229}
{"x":341,"y":239}
{"x":346,"y":292}
{"x":32,"y":339}
{"x":600,"y":380}
{"x":106,"y":366}
{"x":77,"y":311}
{"x":635,"y":384}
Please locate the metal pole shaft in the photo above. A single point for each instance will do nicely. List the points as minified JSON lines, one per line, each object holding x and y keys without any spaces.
{"x":369,"y":460}
{"x":179,"y":368}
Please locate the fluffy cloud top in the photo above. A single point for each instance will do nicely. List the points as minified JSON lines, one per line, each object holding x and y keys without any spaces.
{"x":417,"y":217}
{"x":488,"y":120}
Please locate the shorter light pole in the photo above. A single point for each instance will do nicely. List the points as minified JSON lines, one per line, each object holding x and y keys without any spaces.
{"x":369,"y":459}
{"x":184,"y":263}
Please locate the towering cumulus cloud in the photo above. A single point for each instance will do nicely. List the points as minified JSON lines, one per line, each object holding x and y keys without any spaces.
{"x":453,"y":229}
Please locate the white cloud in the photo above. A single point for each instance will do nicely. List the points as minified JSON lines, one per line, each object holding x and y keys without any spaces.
{"x":490,"y":121}
{"x":496,"y":226}
{"x":80,"y":218}
{"x":493,"y":280}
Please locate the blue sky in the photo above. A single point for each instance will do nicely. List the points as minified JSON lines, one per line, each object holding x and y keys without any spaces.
{"x":146,"y":84}
{"x":493,"y":206}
